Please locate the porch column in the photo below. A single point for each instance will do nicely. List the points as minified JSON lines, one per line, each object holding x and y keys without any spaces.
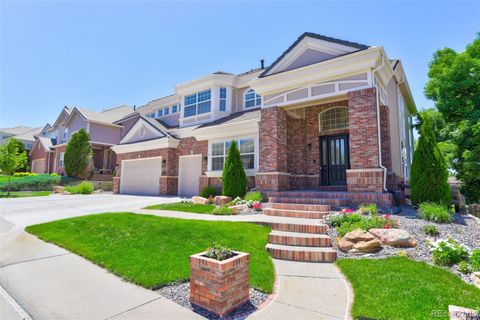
{"x":272,"y":173}
{"x":365,"y":173}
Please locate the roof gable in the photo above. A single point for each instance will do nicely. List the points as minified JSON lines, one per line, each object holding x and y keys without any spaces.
{"x":142,"y":130}
{"x":311,"y":48}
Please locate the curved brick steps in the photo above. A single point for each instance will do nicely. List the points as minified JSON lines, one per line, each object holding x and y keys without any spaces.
{"x":299,"y":239}
{"x":315,"y":201}
{"x":309,"y":254}
{"x":302,"y":207}
{"x":294,"y":213}
{"x":299,"y":227}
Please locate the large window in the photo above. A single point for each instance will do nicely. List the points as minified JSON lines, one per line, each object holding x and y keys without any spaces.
{"x":65,"y":134}
{"x":252,"y":99}
{"x":197,"y":103}
{"x":334,"y":119}
{"x":223,"y":99}
{"x":220,"y":150}
{"x":61,"y":158}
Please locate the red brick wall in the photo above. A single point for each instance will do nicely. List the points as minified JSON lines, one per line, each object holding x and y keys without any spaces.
{"x":60,"y":170}
{"x":296,"y":150}
{"x":361,"y":180}
{"x":189,"y":146}
{"x":385,"y":137}
{"x":38,"y":152}
{"x":273,"y":140}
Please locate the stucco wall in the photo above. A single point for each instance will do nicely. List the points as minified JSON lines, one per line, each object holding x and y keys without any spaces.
{"x":104,"y":133}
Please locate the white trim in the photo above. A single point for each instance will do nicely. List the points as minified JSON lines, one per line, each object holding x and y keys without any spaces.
{"x":254,"y":99}
{"x":160,"y":143}
{"x":122,"y":180}
{"x":227,"y":130}
{"x":180,"y":174}
{"x":141,"y":123}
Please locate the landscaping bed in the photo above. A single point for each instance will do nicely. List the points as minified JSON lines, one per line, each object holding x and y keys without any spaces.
{"x":36,"y":182}
{"x":25,"y":194}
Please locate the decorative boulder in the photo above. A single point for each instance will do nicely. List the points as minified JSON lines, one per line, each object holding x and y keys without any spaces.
{"x":359,"y":235}
{"x":239,"y":208}
{"x":476,"y":278}
{"x":222,"y":200}
{"x":58,"y":189}
{"x":367,"y":246}
{"x":398,"y":238}
{"x":359,"y":242}
{"x":199,"y":200}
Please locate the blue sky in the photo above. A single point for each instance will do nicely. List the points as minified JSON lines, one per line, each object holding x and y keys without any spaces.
{"x":103,"y":54}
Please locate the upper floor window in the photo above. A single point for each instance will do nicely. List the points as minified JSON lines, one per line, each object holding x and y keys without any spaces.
{"x":174,"y":109}
{"x":197,"y":103}
{"x":151,"y":115}
{"x":334,"y":119}
{"x":252,"y":99}
{"x":65,"y":134}
{"x":159,"y":113}
{"x":223,"y":99}
{"x":61,"y":159}
{"x":220,"y":151}
{"x":166,"y":111}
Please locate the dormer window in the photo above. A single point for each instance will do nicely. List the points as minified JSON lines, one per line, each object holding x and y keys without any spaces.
{"x":252,"y":99}
{"x":223,"y":99}
{"x":197,"y":103}
{"x":151,"y":115}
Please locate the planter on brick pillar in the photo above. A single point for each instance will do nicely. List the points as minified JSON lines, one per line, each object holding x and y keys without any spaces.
{"x":219,"y":286}
{"x":365,"y":173}
{"x":116,"y":184}
{"x":272,"y":173}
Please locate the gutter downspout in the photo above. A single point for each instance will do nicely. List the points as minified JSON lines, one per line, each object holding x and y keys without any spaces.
{"x":378,"y":129}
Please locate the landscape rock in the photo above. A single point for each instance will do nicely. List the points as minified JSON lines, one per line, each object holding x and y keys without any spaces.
{"x":461,"y":313}
{"x":58,"y":189}
{"x":368,"y":246}
{"x":359,"y":242}
{"x":222,"y":200}
{"x":359,"y":235}
{"x":239,"y":208}
{"x":398,"y":238}
{"x":98,"y":191}
{"x":199,"y":200}
{"x":476,"y":278}
{"x":66,"y":193}
{"x":345,"y":245}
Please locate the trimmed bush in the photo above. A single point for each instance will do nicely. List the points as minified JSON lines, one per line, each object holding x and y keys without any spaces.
{"x":78,"y":155}
{"x":41,"y":182}
{"x":434,"y":212}
{"x":368,"y":208}
{"x":208,"y":191}
{"x":429,"y":174}
{"x":24,"y":174}
{"x":234,"y":179}
{"x":254,"y":196}
{"x":83,"y":187}
{"x":222,"y":211}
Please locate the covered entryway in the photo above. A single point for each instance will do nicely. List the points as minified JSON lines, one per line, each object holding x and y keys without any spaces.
{"x":189,"y":171}
{"x":335,"y":160}
{"x":38,"y":166}
{"x":141,"y":176}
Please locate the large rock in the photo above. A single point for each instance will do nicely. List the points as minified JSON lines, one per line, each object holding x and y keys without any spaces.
{"x":239,"y":208}
{"x":58,"y":189}
{"x":345,"y":245}
{"x":398,"y":238}
{"x":358,"y":235}
{"x":222,"y":200}
{"x":359,"y":242}
{"x":373,"y":245}
{"x":476,"y":278}
{"x":199,"y":200}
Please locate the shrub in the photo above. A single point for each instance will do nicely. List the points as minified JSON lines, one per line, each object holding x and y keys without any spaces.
{"x":84,"y":187}
{"x":21,"y":150}
{"x":345,"y":223}
{"x":208,"y":191}
{"x":54,"y":174}
{"x":448,"y":252}
{"x":254,"y":196}
{"x":24,"y":174}
{"x":464,"y":267}
{"x":219,"y":252}
{"x":222,"y":211}
{"x":78,"y":155}
{"x":431,"y":230}
{"x":475,"y":260}
{"x":429,"y":174}
{"x":434,"y":212}
{"x":234,"y":179}
{"x":39,"y":182}
{"x":368,"y":208}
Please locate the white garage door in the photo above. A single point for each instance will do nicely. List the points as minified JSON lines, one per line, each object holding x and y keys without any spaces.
{"x":141,"y":176}
{"x":189,"y":170}
{"x":38,"y":166}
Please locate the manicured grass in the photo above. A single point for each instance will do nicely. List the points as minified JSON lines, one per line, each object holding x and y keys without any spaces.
{"x":184,"y":207}
{"x":401,"y":288}
{"x":154,"y":251}
{"x":23,"y":194}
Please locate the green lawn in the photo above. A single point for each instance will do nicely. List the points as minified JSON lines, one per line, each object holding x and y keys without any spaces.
{"x":401,"y":288}
{"x":184,"y":207}
{"x":154,"y":251}
{"x":23,"y":194}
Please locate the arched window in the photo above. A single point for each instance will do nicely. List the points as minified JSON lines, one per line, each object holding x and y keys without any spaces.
{"x":252,"y":99}
{"x":335,"y":118}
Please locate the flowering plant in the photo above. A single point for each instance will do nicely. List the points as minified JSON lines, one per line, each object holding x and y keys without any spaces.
{"x":257,"y":206}
{"x":447,"y":252}
{"x":250,"y":203}
{"x":219,"y":252}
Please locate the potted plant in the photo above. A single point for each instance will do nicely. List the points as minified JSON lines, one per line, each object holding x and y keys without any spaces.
{"x":219,"y":279}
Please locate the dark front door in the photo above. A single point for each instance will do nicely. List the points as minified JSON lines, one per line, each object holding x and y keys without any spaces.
{"x":334,"y":160}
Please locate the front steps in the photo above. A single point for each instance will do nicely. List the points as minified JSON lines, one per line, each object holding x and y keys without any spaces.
{"x":308,"y":254}
{"x":299,"y":239}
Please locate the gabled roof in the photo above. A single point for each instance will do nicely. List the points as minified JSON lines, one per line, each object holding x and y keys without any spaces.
{"x":234,"y":117}
{"x":108,"y":116}
{"x":16,"y":130}
{"x":45,"y":142}
{"x":353,"y":45}
{"x":29,"y":135}
{"x":66,"y":110}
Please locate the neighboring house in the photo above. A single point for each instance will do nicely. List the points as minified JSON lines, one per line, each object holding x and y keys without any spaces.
{"x":23,"y":134}
{"x":48,"y":150}
{"x":327,"y":114}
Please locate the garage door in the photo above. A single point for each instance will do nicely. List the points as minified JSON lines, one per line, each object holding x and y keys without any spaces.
{"x":38,"y":166}
{"x":190,"y":168}
{"x":141,"y":176}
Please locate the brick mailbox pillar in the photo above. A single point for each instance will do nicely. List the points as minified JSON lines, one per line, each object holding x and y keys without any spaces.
{"x":219,"y":286}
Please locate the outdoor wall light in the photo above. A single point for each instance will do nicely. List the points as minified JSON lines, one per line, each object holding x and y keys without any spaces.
{"x":309,"y":147}
{"x":205,"y":160}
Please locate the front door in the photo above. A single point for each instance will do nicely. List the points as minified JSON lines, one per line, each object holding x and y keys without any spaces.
{"x":335,"y":160}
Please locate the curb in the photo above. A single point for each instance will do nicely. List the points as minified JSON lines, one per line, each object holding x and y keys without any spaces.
{"x":18,"y":308}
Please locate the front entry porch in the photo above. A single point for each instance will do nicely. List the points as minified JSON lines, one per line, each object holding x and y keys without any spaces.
{"x":103,"y":162}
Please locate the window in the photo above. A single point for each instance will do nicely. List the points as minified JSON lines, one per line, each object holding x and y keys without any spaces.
{"x":174,"y":109}
{"x":159,"y":113}
{"x":334,"y":119}
{"x":220,"y":150}
{"x":223,"y":99}
{"x":151,"y":115}
{"x":252,"y":99}
{"x":65,"y":134}
{"x":166,"y":111}
{"x":60,"y":159}
{"x":197,"y":103}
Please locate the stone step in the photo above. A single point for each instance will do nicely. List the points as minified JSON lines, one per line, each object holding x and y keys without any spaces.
{"x":294,"y":213}
{"x":299,"y":239}
{"x":300,"y":227}
{"x":308,"y":254}
{"x":301,"y":207}
{"x":317,"y":201}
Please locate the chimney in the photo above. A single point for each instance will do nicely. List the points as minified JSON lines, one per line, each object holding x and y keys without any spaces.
{"x":262,"y":63}
{"x":134,"y":107}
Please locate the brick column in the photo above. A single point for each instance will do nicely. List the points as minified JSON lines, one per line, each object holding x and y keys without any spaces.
{"x":365,"y":173}
{"x":116,"y":184}
{"x":272,"y":174}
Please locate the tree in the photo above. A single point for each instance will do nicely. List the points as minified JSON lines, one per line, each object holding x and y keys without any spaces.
{"x":429,"y":175}
{"x":454,"y":86}
{"x":78,"y":155}
{"x":11,"y":159}
{"x":21,"y":149}
{"x":234,"y":179}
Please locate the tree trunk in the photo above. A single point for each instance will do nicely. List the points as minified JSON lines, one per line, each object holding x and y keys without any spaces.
{"x":8,"y":189}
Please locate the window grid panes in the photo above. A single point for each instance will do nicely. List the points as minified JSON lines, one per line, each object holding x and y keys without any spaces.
{"x":220,"y":150}
{"x":334,"y":119}
{"x":252,"y":99}
{"x":197,"y":103}
{"x":166,"y":111}
{"x":223,"y":99}
{"x":174,"y":109}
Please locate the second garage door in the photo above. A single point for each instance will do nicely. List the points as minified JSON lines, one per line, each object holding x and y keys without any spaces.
{"x":141,"y":176}
{"x":189,"y":170}
{"x":38,"y":166}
